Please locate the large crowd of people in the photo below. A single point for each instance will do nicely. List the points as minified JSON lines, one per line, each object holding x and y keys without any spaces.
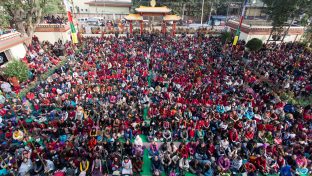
{"x":205,"y":108}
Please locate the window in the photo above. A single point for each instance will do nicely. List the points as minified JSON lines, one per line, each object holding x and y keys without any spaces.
{"x":86,"y":10}
{"x":81,"y":10}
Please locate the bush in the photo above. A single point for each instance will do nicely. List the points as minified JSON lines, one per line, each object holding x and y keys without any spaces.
{"x":254,"y":44}
{"x":18,"y":69}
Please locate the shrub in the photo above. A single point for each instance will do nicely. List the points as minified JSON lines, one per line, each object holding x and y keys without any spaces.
{"x":254,"y":44}
{"x":18,"y":69}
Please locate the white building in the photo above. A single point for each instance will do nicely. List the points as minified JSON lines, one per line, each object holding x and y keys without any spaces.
{"x":53,"y":32}
{"x":102,"y":6}
{"x":12,"y":47}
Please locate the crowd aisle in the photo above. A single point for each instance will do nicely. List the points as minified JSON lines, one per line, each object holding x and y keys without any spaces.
{"x":120,"y":105}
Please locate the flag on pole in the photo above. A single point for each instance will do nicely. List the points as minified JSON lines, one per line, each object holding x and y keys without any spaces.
{"x":240,"y":23}
{"x":235,"y":40}
{"x":68,"y":7}
{"x":74,"y":38}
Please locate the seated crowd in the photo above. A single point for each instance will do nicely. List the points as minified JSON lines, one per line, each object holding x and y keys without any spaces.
{"x":51,"y":19}
{"x":203,"y":107}
{"x":40,"y":58}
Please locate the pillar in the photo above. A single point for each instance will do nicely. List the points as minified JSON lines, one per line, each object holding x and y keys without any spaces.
{"x":164,"y":27}
{"x":141,"y":27}
{"x":174,"y":28}
{"x":131,"y":28}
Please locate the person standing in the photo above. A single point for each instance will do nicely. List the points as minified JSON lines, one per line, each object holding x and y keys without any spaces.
{"x":126,"y":166}
{"x":166,"y":162}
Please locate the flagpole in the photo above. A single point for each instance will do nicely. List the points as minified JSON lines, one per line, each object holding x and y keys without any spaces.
{"x":202,"y":14}
{"x":71,"y":23}
{"x":240,"y":24}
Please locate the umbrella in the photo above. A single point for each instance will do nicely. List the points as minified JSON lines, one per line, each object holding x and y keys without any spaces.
{"x":2,"y":99}
{"x":6,"y":87}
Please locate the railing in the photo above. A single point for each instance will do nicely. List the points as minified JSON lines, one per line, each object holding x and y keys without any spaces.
{"x":51,"y":25}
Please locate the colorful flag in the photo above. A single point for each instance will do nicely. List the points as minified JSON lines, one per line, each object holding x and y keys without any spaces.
{"x":68,"y":6}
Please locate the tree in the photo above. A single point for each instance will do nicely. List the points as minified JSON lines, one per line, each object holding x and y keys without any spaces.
{"x":18,"y":69}
{"x":254,"y":44}
{"x":280,"y":11}
{"x":25,"y":15}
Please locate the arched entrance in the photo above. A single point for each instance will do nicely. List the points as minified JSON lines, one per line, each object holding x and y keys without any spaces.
{"x":153,"y":11}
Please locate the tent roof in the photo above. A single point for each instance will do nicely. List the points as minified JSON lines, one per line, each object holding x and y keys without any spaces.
{"x":172,"y":18}
{"x":146,"y":9}
{"x":134,"y":17}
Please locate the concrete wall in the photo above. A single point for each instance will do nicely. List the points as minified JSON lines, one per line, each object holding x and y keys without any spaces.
{"x":53,"y":36}
{"x":17,"y":51}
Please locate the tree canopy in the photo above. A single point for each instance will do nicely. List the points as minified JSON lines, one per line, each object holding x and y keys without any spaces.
{"x":18,"y":69}
{"x":25,"y":15}
{"x":254,"y":44}
{"x":281,"y":11}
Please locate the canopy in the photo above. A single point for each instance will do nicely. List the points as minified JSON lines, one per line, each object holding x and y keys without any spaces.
{"x":172,"y":18}
{"x":134,"y":17}
{"x":145,"y":9}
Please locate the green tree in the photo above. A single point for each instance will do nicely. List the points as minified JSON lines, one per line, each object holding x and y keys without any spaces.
{"x":254,"y":44}
{"x":25,"y":15}
{"x":281,"y":11}
{"x":18,"y":69}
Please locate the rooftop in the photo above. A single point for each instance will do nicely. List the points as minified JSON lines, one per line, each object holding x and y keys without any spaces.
{"x":11,"y":39}
{"x":172,"y":18}
{"x":134,"y":17}
{"x":145,"y":9}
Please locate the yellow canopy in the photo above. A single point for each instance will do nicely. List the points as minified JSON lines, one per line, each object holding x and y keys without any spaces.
{"x":134,"y":17}
{"x":172,"y":18}
{"x":145,"y":9}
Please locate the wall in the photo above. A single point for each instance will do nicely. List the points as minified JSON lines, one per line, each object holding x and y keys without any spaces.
{"x":253,"y":12}
{"x":53,"y":36}
{"x":17,"y":51}
{"x":98,"y":9}
{"x":264,"y":38}
{"x":108,"y":10}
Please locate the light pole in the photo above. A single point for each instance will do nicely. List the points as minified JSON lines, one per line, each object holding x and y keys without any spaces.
{"x":202,"y":14}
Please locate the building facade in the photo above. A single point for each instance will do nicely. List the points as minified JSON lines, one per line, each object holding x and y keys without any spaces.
{"x":102,"y":6}
{"x":53,"y":32}
{"x":255,"y":9}
{"x":12,"y":47}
